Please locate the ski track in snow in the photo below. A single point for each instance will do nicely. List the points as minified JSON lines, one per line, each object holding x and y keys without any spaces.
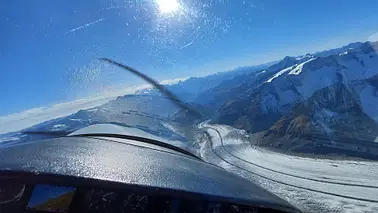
{"x":329,"y":183}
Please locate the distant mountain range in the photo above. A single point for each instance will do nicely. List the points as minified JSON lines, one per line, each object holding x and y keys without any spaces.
{"x":190,"y":89}
{"x":325,"y":102}
{"x":147,"y":110}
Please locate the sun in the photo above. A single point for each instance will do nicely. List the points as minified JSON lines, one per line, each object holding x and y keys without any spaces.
{"x":167,"y":6}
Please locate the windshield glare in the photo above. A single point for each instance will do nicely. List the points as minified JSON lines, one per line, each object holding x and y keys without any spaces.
{"x":287,"y":89}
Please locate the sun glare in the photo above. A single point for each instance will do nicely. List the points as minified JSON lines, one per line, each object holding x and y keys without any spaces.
{"x":167,"y":6}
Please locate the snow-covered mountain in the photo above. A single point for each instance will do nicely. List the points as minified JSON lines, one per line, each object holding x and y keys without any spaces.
{"x":302,"y":80}
{"x":334,"y":96}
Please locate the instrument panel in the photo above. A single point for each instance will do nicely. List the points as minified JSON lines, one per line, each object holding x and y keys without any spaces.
{"x":47,"y":198}
{"x":50,"y":198}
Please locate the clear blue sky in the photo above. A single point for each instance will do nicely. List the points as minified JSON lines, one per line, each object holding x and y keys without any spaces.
{"x":48,"y":48}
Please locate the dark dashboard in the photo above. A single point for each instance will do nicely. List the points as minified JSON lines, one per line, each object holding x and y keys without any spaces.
{"x":46,"y":198}
{"x":83,"y":173}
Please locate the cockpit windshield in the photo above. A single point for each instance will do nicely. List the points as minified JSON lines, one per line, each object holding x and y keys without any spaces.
{"x":287,"y":90}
